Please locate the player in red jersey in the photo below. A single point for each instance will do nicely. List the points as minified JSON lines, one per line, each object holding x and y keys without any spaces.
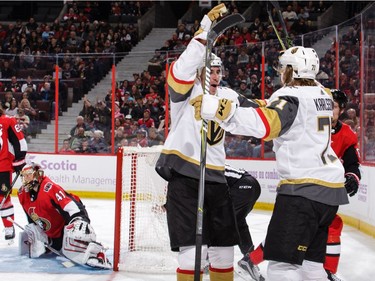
{"x":57,"y":219}
{"x":345,"y":144}
{"x":13,"y":149}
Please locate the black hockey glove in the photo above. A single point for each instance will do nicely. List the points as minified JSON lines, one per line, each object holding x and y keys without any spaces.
{"x":351,"y":184}
{"x":18,"y":165}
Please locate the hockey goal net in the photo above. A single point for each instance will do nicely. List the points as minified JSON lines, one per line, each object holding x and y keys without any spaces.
{"x":141,"y":241}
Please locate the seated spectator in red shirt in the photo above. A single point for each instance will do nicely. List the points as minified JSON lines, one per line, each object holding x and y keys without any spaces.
{"x":146,"y":121}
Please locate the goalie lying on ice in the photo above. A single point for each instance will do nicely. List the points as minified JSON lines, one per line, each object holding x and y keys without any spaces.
{"x":57,"y":219}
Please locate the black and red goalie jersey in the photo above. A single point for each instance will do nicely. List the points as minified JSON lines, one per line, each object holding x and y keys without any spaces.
{"x":51,"y":207}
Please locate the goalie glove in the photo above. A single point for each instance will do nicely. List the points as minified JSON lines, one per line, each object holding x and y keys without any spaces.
{"x":210,"y":107}
{"x":207,"y":20}
{"x":80,"y":229}
{"x":351,"y":183}
{"x":35,"y":234}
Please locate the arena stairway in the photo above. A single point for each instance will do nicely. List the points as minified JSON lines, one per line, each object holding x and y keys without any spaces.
{"x":135,"y":62}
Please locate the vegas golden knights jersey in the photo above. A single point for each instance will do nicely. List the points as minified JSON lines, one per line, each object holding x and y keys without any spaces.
{"x":298,"y":119}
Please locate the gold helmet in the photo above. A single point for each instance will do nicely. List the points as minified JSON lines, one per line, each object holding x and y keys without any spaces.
{"x":31,"y":176}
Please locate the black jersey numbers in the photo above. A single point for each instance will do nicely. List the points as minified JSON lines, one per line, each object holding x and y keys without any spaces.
{"x":324,"y":124}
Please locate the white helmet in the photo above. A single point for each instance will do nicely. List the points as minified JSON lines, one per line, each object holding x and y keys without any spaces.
{"x":215,"y":60}
{"x":304,"y":61}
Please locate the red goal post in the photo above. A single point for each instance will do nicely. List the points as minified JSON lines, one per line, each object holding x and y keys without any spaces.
{"x":141,"y":241}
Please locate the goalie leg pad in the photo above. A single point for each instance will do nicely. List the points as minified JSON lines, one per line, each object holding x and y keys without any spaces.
{"x":32,"y":249}
{"x":23,"y":244}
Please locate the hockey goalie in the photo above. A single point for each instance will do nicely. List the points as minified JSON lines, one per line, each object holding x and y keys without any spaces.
{"x":57,"y":219}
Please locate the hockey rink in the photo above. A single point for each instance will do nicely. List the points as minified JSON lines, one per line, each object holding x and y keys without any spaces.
{"x":357,"y":259}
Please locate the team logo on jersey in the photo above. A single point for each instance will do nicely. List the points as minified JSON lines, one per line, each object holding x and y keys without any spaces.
{"x":47,"y":187}
{"x":215,"y":133}
{"x":41,"y":222}
{"x":4,"y":188}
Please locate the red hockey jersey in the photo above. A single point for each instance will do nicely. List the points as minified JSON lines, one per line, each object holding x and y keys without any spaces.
{"x":13,"y":146}
{"x":51,"y":208}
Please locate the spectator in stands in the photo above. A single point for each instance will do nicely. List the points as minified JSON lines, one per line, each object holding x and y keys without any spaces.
{"x":87,"y":111}
{"x":6,"y":70}
{"x":243,"y":58}
{"x":349,"y":63}
{"x":73,"y":43}
{"x":97,"y":143}
{"x":352,"y":115}
{"x":28,"y":109}
{"x":31,"y":25}
{"x":23,"y":121}
{"x":80,"y":123}
{"x":77,"y":139}
{"x":255,"y":25}
{"x":181,"y":31}
{"x":303,"y":14}
{"x":289,"y":14}
{"x":154,"y":137}
{"x":102,"y":118}
{"x":141,"y":138}
{"x":28,"y":84}
{"x":299,"y":27}
{"x":13,"y":85}
{"x":12,"y":110}
{"x":5,"y":103}
{"x":244,"y":90}
{"x":84,"y":147}
{"x":255,"y":87}
{"x":70,"y":16}
{"x":138,"y":109}
{"x":65,"y":148}
{"x":146,"y":121}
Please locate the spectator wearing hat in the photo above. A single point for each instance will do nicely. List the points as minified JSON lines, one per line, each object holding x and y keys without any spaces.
{"x":141,"y":138}
{"x":146,"y":121}
{"x":244,"y":90}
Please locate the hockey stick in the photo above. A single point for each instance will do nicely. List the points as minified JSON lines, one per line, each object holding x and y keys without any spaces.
{"x":9,"y":191}
{"x":289,"y":41}
{"x":68,"y":263}
{"x":218,"y":29}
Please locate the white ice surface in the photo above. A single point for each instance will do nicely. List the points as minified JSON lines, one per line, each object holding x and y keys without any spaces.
{"x":357,"y":258}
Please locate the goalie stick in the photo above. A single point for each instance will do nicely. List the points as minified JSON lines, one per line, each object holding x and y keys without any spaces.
{"x":67,"y":264}
{"x":9,"y":191}
{"x":218,"y":29}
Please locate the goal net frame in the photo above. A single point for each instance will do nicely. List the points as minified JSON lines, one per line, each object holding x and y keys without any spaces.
{"x":141,"y":241}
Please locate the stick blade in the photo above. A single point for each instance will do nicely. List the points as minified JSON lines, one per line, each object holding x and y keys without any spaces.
{"x":221,"y":26}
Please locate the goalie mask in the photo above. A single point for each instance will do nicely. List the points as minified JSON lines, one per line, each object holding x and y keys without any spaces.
{"x":304,"y":61}
{"x":32,"y":175}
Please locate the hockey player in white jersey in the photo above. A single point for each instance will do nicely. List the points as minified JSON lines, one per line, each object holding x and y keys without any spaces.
{"x":298,"y":119}
{"x":179,"y":164}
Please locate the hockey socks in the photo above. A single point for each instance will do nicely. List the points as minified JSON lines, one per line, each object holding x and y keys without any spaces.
{"x":256,"y":256}
{"x":221,"y":274}
{"x":333,"y":245}
{"x":186,"y":275}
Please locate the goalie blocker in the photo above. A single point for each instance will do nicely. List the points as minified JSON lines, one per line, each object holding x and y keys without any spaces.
{"x":58,"y":220}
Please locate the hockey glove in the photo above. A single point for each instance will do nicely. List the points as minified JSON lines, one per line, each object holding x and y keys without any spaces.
{"x":207,"y":20}
{"x":80,"y":229}
{"x":18,"y":165}
{"x":217,"y":12}
{"x":351,"y":183}
{"x":213,"y":108}
{"x":35,"y":233}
